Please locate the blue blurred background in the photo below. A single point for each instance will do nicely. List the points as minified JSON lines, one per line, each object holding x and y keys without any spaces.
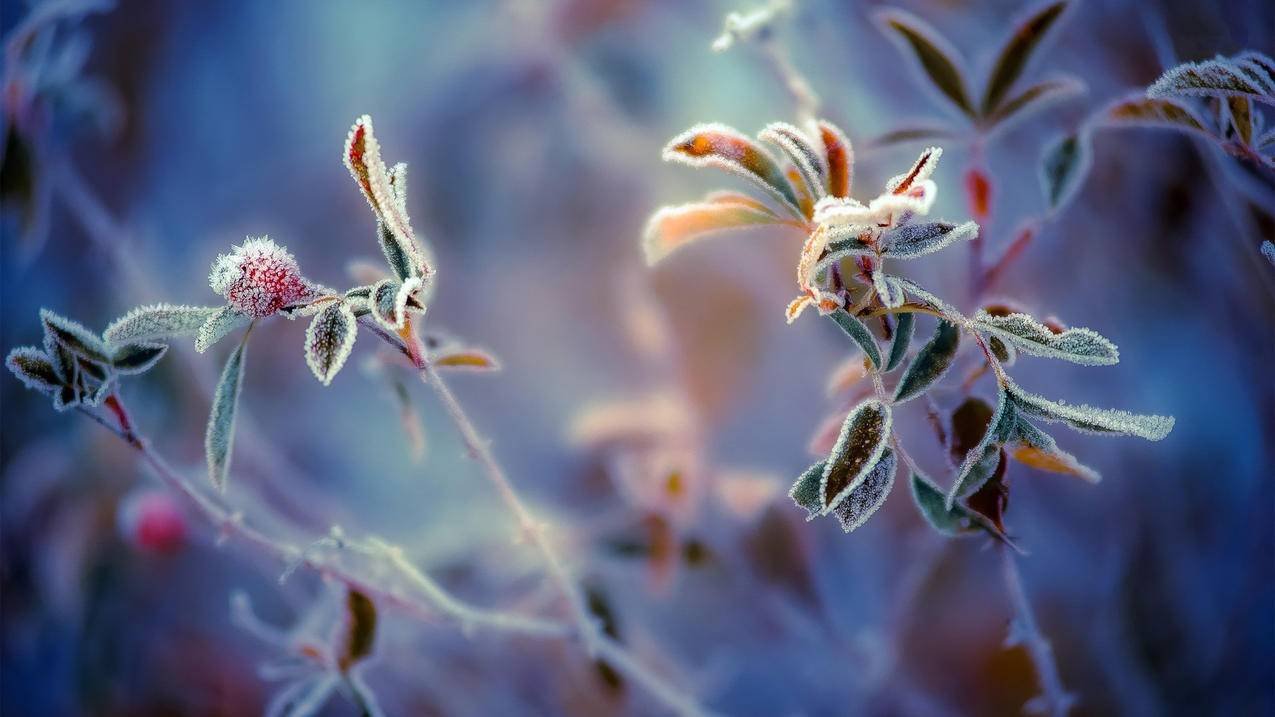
{"x":534,"y":132}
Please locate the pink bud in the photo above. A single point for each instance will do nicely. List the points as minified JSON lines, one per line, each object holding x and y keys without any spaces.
{"x":152,"y":521}
{"x":258,"y":278}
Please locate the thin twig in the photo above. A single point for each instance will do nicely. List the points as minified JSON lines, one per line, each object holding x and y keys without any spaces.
{"x":1057,"y":700}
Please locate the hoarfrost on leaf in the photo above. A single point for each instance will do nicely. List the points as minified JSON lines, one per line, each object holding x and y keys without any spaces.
{"x":723,"y":147}
{"x":329,"y":340}
{"x":913,"y":240}
{"x":74,"y":337}
{"x":215,"y":328}
{"x":863,"y":439}
{"x":1078,"y":345}
{"x":220,"y":436}
{"x":1249,"y":74}
{"x":902,"y":339}
{"x":805,"y":492}
{"x":857,"y":331}
{"x":671,"y":228}
{"x":931,"y":362}
{"x":870,"y":494}
{"x":157,"y":321}
{"x":33,"y":368}
{"x":1088,"y":419}
{"x":135,"y":358}
{"x":1063,"y":168}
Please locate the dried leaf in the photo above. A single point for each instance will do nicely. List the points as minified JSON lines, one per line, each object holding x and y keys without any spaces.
{"x":216,"y":327}
{"x":1063,"y":168}
{"x":1162,"y":113}
{"x":75,"y":337}
{"x":931,"y":362}
{"x":980,"y":460}
{"x":1017,"y":51}
{"x":220,"y":436}
{"x":34,"y":369}
{"x":1240,"y":112}
{"x":913,"y":240}
{"x":158,"y":321}
{"x":1088,"y":419}
{"x":839,"y":158}
{"x":860,"y":445}
{"x":1033,"y":447}
{"x":467,"y":358}
{"x":911,"y":134}
{"x":855,"y":329}
{"x":870,"y":494}
{"x":329,"y":340}
{"x":935,"y":55}
{"x":716,"y":145}
{"x":671,"y":228}
{"x":1078,"y":345}
{"x":903,"y":330}
{"x":358,"y":630}
{"x":135,"y":358}
{"x":1248,"y":75}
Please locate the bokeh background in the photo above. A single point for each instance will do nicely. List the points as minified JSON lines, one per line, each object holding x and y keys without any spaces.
{"x":174,"y":129}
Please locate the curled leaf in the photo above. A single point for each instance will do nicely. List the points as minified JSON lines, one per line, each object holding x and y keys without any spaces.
{"x":1033,"y":447}
{"x":716,"y":145}
{"x":1089,"y":419}
{"x":856,"y":330}
{"x":1025,"y":38}
{"x":934,"y":54}
{"x":870,"y":494}
{"x":913,"y":240}
{"x":1078,"y":345}
{"x":931,"y":362}
{"x":954,"y":521}
{"x":329,"y":340}
{"x":158,"y":321}
{"x":74,"y":337}
{"x":137,"y":358}
{"x":859,"y":446}
{"x":220,"y":437}
{"x":807,"y":160}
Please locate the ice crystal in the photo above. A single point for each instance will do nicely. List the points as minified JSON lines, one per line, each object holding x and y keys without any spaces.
{"x":258,"y":278}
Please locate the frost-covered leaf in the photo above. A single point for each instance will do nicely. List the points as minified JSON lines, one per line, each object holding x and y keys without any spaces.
{"x":1005,"y":353}
{"x":158,"y":321}
{"x":363,"y":158}
{"x":855,"y":329}
{"x":1149,"y":112}
{"x":932,"y":504}
{"x":913,"y":240}
{"x":1025,"y":38}
{"x":220,"y":437}
{"x":404,"y":299}
{"x":358,"y":630}
{"x":1033,"y":99}
{"x":1250,"y":74}
{"x":1268,"y":251}
{"x":921,"y":170}
{"x":1240,"y":112}
{"x":329,"y":340}
{"x":671,"y":228}
{"x":888,"y":290}
{"x":1063,"y":168}
{"x":398,"y":259}
{"x":33,"y":368}
{"x":864,"y":500}
{"x":75,"y":337}
{"x":916,"y":292}
{"x":134,"y":358}
{"x":839,"y":159}
{"x":1078,"y":345}
{"x":805,"y":492}
{"x":808,"y":161}
{"x":931,"y":362}
{"x":979,"y":461}
{"x":382,"y":300}
{"x":902,"y":339}
{"x":1033,"y":447}
{"x":215,"y":328}
{"x":862,"y":441}
{"x":66,"y":397}
{"x":935,"y":55}
{"x":1089,"y":419}
{"x":911,"y":134}
{"x":716,"y":145}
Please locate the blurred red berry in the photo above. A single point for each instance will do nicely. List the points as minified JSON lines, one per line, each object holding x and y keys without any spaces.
{"x":152,"y":521}
{"x":978,"y":190}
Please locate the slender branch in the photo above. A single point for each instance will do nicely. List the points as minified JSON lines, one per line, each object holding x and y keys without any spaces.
{"x":1057,"y":700}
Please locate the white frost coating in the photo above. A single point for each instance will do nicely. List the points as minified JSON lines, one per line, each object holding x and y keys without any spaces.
{"x":733,"y":164}
{"x":1088,"y":419}
{"x":220,"y":437}
{"x":215,"y":328}
{"x":745,"y":27}
{"x":157,"y":321}
{"x":329,"y":340}
{"x":909,"y":242}
{"x":888,"y":290}
{"x":1079,"y":345}
{"x":400,"y":300}
{"x":1243,"y":75}
{"x":870,"y":495}
{"x":809,"y":161}
{"x":33,"y":368}
{"x":920,"y":170}
{"x":1268,"y":251}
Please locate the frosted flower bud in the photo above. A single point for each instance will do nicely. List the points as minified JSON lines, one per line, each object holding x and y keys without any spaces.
{"x":152,"y":521}
{"x":258,"y":278}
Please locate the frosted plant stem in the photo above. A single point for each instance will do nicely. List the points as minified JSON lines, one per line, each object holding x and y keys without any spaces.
{"x":1057,"y":700}
{"x":480,"y":450}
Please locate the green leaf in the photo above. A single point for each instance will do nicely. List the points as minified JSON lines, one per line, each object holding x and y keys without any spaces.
{"x":34,"y":369}
{"x":1035,"y":98}
{"x":329,"y":340}
{"x":158,"y":321}
{"x":1063,"y":168}
{"x":954,"y":521}
{"x":856,"y":330}
{"x":871,"y":493}
{"x":933,"y":53}
{"x":72,"y":335}
{"x":902,"y":338}
{"x":1017,"y":51}
{"x":395,"y":255}
{"x":137,"y":358}
{"x":981,"y":459}
{"x":805,"y":492}
{"x":1088,"y":419}
{"x":381,"y":301}
{"x":215,"y":328}
{"x":220,"y":436}
{"x":911,"y":134}
{"x":931,"y":362}
{"x":913,"y":240}
{"x":1078,"y":345}
{"x":859,"y":446}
